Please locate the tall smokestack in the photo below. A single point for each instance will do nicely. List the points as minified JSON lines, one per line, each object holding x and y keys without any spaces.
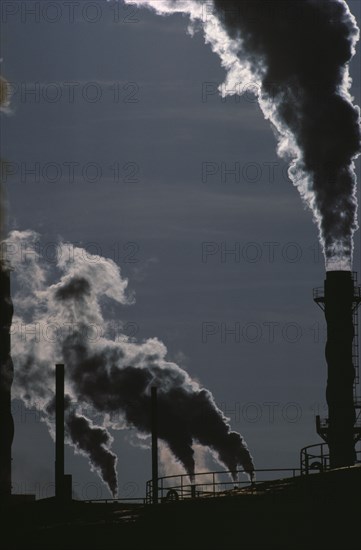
{"x":154,"y":421}
{"x":338,"y":302}
{"x":341,"y":374}
{"x":6,"y":378}
{"x":59,"y":431}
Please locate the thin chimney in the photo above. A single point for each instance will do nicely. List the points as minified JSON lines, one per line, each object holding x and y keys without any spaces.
{"x":6,"y":378}
{"x":59,"y":431}
{"x":154,"y":421}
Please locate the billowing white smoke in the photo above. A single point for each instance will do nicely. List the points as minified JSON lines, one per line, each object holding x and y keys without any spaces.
{"x":105,"y":378}
{"x":296,"y":55}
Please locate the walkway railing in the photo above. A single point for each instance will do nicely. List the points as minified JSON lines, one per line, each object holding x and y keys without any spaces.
{"x":114,"y":501}
{"x":316,"y":458}
{"x":211,"y":484}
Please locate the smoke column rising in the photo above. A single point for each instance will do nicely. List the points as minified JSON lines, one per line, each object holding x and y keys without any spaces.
{"x":104,"y":377}
{"x":297,"y":53}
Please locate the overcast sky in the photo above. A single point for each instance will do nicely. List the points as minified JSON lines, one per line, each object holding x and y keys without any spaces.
{"x":130,"y":102}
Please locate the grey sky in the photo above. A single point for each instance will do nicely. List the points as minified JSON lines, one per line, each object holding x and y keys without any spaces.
{"x":167,"y":132}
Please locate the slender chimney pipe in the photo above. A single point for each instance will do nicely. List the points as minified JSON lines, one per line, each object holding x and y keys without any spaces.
{"x":154,"y":423}
{"x":6,"y":378}
{"x":59,"y":431}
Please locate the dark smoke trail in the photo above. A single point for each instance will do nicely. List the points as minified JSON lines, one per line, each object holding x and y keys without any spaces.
{"x":90,"y":440}
{"x":301,"y":53}
{"x":105,"y":377}
{"x":298,"y":54}
{"x":94,"y":442}
{"x":187,"y":413}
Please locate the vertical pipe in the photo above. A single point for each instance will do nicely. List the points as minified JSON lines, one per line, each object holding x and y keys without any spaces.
{"x":154,"y":422}
{"x":6,"y":379}
{"x":339,"y":291}
{"x":59,"y":431}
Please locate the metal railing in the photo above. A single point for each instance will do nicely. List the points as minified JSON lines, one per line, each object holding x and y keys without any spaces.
{"x":212,"y":484}
{"x":114,"y":501}
{"x":318,"y":292}
{"x":316,"y":458}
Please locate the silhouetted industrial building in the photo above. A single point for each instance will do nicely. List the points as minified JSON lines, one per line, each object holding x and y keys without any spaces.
{"x":339,"y":300}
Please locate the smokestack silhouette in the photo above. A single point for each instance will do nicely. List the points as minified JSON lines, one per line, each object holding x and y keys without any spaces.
{"x":6,"y":379}
{"x":340,"y":379}
{"x":339,"y":301}
{"x":154,"y":420}
{"x":6,"y":314}
{"x":297,"y":55}
{"x":59,"y":431}
{"x":63,"y":482}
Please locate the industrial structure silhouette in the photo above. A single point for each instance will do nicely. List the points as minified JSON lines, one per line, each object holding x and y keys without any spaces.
{"x":329,"y":470}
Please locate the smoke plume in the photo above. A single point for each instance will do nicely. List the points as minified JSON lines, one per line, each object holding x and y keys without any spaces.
{"x":105,"y":378}
{"x":2,"y":205}
{"x":297,"y":55}
{"x":4,"y":108}
{"x":94,"y":441}
{"x":4,"y":94}
{"x":89,"y":440}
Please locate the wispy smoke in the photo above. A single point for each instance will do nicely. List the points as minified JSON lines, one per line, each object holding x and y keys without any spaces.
{"x":297,"y":53}
{"x":4,"y":94}
{"x":106,"y":378}
{"x":4,"y":108}
{"x":2,"y":205}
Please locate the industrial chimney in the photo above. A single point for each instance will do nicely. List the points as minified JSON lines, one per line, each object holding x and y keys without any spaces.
{"x":63,"y":483}
{"x":6,"y":378}
{"x":154,"y":424}
{"x":339,"y":300}
{"x":59,"y":431}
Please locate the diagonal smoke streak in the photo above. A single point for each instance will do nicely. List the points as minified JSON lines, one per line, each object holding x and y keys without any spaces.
{"x":94,"y":441}
{"x":111,"y":379}
{"x":89,"y":440}
{"x":298,"y":54}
